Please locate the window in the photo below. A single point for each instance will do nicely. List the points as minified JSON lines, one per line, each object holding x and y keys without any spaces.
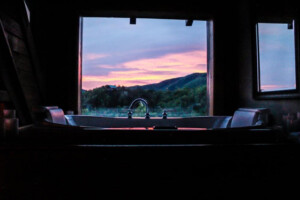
{"x":163,"y":61}
{"x":276,"y":60}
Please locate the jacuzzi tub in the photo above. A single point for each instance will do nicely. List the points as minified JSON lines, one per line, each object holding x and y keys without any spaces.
{"x":243,"y":127}
{"x":106,"y":122}
{"x":243,"y":118}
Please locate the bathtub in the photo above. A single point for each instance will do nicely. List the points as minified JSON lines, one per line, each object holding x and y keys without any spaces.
{"x":206,"y":122}
{"x":243,"y":127}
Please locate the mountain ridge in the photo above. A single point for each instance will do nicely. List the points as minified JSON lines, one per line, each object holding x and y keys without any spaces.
{"x":189,"y":81}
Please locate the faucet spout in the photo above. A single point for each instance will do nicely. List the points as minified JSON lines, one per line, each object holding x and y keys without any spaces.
{"x":147,"y":116}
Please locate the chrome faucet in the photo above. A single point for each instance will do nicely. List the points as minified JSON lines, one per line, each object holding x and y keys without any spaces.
{"x":147,"y":116}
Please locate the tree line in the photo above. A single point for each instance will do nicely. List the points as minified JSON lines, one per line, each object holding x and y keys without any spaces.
{"x":120,"y":97}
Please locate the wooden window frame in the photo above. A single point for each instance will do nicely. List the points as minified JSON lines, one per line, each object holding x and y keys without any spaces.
{"x":210,"y":50}
{"x":280,"y":94}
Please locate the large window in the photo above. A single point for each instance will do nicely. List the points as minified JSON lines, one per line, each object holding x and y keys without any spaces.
{"x":163,"y":61}
{"x":276,"y":59}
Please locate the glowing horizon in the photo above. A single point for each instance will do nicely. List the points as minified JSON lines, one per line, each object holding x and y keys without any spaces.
{"x":134,"y":55}
{"x":269,"y":88}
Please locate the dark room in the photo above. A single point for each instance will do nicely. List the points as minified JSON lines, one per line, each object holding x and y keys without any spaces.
{"x":102,"y":99}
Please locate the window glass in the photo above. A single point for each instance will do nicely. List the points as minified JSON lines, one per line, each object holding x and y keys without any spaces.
{"x":163,"y":61}
{"x":276,"y":57}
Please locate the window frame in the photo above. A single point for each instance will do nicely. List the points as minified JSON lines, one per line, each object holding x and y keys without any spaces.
{"x":280,"y":94}
{"x":210,"y":49}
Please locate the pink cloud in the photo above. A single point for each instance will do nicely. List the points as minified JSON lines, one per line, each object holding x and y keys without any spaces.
{"x":94,"y":56}
{"x":151,"y":70}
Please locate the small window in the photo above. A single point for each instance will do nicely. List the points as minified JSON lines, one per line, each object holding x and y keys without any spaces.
{"x":276,"y":59}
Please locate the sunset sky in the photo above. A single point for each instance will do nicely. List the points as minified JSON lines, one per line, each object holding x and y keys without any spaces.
{"x":277,"y":57}
{"x":117,"y":53}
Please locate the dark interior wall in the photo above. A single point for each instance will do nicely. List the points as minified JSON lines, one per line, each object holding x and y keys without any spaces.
{"x":55,"y":30}
{"x":225,"y":65}
{"x":245,"y":58}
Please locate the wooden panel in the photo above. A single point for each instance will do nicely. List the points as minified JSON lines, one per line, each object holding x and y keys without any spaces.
{"x":17,"y":44}
{"x":23,"y":62}
{"x":33,"y":101}
{"x":31,"y":90}
{"x":36,"y":67}
{"x":31,"y":96}
{"x":27,"y":78}
{"x":11,"y":26}
{"x":11,"y":79}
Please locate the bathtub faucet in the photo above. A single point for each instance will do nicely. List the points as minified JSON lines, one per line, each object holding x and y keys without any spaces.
{"x":147,"y":116}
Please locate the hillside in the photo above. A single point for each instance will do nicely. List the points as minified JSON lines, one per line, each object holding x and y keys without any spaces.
{"x":183,"y":96}
{"x":190,"y":81}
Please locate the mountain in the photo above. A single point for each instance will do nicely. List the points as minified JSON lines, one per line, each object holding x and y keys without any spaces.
{"x":189,"y":81}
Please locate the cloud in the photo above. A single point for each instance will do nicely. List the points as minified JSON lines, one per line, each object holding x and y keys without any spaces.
{"x":117,"y":58}
{"x":188,"y":61}
{"x":150,"y":38}
{"x":150,"y":70}
{"x":94,"y":56}
{"x":277,"y":87}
